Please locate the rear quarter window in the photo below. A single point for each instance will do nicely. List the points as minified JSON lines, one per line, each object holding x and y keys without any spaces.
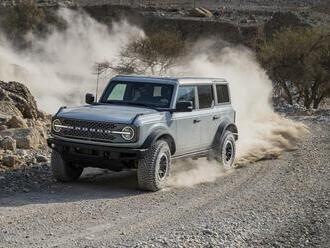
{"x":222,"y":93}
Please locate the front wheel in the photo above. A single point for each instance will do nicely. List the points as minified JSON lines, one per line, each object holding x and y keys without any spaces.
{"x":62,"y":170}
{"x":153,"y":169}
{"x":225,"y":150}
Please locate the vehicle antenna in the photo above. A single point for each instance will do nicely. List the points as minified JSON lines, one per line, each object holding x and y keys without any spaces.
{"x":97,"y":80}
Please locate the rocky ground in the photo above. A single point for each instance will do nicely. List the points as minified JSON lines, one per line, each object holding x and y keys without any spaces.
{"x":272,"y":203}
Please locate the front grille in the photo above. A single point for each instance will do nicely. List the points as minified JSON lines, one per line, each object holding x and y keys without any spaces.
{"x":90,"y":130}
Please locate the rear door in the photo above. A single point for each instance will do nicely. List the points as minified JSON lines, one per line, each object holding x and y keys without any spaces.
{"x":206,"y":114}
{"x":188,"y":129}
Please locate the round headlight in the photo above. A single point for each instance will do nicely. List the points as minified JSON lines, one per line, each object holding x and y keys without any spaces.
{"x":127,"y":133}
{"x":57,"y":125}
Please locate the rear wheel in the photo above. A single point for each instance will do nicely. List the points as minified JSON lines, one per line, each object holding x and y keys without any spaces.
{"x":153,"y":170}
{"x":225,"y":149}
{"x":62,"y":170}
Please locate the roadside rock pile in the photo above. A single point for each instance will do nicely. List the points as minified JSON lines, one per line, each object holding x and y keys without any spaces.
{"x":22,"y":127}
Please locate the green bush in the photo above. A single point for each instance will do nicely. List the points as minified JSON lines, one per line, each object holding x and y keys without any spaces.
{"x":25,"y":17}
{"x":298,"y":61}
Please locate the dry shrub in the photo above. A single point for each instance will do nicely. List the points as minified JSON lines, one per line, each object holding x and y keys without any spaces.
{"x":153,"y":54}
{"x":298,"y":61}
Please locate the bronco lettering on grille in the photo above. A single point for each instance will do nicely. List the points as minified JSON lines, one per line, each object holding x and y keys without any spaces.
{"x":91,"y":130}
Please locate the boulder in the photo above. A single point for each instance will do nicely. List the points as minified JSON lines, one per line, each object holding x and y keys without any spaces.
{"x":21,"y":97}
{"x":26,"y":138}
{"x":17,"y":122}
{"x":8,"y":143}
{"x":42,"y":131}
{"x":10,"y":161}
{"x":201,"y":12}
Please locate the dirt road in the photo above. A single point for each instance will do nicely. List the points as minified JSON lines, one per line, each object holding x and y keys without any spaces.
{"x":282,"y":203}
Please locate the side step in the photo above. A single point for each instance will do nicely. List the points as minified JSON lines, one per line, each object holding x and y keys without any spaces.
{"x":198,"y":154}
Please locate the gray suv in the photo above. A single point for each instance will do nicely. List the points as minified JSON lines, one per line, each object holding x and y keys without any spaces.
{"x":144,"y":123}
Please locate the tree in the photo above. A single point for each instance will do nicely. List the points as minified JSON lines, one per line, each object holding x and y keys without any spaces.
{"x":153,"y":54}
{"x":298,"y":61}
{"x":24,"y":17}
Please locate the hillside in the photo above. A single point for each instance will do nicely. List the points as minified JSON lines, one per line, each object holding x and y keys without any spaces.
{"x":234,"y":21}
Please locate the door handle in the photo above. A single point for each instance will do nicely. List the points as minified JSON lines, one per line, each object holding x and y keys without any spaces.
{"x":197,"y":120}
{"x":216,"y":117}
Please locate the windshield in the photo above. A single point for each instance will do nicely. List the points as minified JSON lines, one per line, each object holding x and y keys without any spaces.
{"x":140,"y":94}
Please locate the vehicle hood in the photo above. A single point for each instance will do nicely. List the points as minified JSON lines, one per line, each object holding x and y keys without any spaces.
{"x":105,"y":112}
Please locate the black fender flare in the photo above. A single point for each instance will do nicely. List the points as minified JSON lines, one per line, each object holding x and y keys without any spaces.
{"x":157,"y":134}
{"x":226,"y":125}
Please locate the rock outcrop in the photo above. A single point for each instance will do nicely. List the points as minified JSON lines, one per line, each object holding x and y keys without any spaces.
{"x":18,"y":95}
{"x":23,"y":127}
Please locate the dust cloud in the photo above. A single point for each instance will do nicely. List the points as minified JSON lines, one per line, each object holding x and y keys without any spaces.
{"x":263,"y":134}
{"x":189,"y":172}
{"x":58,"y":71}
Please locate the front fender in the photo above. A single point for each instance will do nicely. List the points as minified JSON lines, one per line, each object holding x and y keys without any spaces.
{"x":155,"y":135}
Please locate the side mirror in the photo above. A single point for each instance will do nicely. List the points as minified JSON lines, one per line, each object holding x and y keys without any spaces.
{"x":184,"y":106}
{"x":89,"y":99}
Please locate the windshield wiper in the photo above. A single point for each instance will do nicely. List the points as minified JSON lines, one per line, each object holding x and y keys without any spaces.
{"x":140,"y":104}
{"x":113,"y":102}
{"x":131,"y":103}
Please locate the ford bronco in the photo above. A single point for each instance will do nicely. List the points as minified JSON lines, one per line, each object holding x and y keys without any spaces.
{"x":144,"y":123}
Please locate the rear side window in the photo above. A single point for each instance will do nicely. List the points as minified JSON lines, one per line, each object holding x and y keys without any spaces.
{"x":205,"y":96}
{"x":186,"y":93}
{"x":222,"y":93}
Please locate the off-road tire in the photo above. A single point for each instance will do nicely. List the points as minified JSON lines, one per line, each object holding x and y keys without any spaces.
{"x":224,"y":149}
{"x":149,"y":167}
{"x":62,"y":170}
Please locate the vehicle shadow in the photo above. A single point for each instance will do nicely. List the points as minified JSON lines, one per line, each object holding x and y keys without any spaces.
{"x":93,"y":184}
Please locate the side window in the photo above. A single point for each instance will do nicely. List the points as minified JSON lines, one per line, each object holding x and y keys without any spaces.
{"x":222,"y":92}
{"x":118,"y":92}
{"x":205,"y":96}
{"x":187,"y":93}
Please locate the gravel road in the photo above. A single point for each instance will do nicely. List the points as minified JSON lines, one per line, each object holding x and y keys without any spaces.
{"x":281,"y":203}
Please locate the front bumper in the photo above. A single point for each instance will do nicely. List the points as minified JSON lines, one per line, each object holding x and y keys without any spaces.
{"x":94,"y":153}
